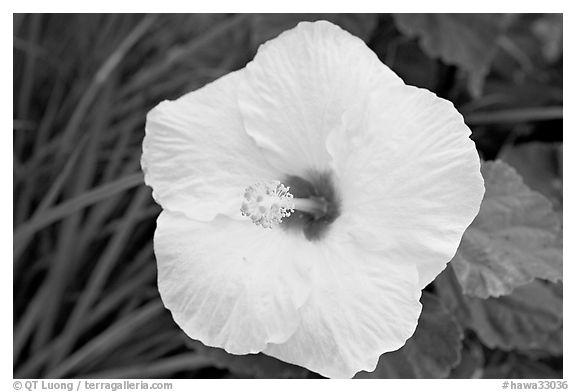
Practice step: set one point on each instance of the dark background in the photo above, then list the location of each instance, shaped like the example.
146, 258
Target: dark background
85, 297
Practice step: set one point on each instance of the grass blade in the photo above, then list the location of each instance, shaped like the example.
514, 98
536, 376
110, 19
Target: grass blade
24, 232
514, 116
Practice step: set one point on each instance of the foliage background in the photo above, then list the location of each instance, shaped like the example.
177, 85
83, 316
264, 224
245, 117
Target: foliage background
85, 297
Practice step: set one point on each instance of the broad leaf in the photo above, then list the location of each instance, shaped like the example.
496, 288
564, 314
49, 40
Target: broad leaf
528, 319
525, 320
472, 363
552, 343
521, 367
268, 26
540, 165
430, 353
469, 41
552, 346
514, 239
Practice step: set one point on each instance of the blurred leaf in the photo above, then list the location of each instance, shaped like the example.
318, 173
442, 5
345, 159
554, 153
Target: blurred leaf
468, 41
514, 116
430, 353
414, 67
554, 343
549, 30
520, 54
268, 26
525, 320
472, 363
522, 72
517, 366
540, 165
553, 346
254, 365
513, 240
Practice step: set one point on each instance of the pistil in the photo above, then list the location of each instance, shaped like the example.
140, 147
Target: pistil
316, 206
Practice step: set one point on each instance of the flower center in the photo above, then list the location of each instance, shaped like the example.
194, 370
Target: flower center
267, 203
319, 187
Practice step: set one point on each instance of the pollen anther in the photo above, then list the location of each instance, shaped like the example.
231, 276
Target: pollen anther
267, 203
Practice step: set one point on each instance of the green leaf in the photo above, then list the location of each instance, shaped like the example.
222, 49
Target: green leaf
268, 26
469, 41
515, 238
540, 165
251, 365
430, 353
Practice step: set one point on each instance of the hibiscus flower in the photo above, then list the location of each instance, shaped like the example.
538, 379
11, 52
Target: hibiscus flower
382, 179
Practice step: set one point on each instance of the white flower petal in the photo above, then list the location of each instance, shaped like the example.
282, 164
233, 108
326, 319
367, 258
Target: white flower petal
361, 306
409, 176
299, 85
231, 284
197, 157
